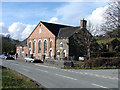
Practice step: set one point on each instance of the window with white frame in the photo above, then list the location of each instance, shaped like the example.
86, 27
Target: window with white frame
22, 49
51, 44
29, 44
39, 46
61, 45
45, 46
34, 46
58, 52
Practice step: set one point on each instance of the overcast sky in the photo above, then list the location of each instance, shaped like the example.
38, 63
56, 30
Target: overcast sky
20, 18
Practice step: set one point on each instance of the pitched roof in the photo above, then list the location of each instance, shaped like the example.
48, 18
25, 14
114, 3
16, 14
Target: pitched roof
23, 43
67, 32
54, 28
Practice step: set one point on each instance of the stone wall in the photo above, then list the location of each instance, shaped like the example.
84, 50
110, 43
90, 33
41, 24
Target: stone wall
58, 63
62, 52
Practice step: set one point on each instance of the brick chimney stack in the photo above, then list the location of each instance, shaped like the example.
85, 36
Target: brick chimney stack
83, 23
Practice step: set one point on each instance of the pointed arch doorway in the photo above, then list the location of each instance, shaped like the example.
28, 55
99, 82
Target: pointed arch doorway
50, 53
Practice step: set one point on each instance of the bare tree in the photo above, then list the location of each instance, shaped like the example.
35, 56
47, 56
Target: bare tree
112, 16
8, 36
93, 29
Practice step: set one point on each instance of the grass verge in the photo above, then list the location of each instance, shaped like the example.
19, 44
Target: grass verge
12, 79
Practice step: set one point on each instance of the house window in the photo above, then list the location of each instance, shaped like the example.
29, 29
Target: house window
29, 44
34, 46
50, 44
61, 45
39, 45
58, 52
45, 46
23, 49
39, 30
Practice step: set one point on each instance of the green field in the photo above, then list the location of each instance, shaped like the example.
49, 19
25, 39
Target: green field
11, 79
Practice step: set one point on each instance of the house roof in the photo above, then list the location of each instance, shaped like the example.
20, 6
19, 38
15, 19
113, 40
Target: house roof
23, 43
67, 32
54, 28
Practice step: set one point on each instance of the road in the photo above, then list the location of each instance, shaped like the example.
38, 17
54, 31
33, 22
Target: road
52, 77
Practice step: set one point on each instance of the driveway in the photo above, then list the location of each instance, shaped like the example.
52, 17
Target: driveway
52, 77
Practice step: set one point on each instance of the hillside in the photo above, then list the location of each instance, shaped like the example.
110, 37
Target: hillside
8, 45
108, 40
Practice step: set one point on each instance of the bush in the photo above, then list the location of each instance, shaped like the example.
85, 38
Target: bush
104, 62
108, 54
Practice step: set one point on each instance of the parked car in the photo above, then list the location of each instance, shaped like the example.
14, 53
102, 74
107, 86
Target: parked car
7, 57
32, 59
29, 59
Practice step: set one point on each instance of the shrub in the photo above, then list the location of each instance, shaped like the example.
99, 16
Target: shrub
108, 54
104, 62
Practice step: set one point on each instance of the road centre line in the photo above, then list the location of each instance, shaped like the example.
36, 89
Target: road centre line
108, 77
14, 64
114, 78
42, 70
66, 77
46, 66
99, 85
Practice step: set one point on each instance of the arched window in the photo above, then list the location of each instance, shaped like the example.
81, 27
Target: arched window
39, 46
50, 44
61, 45
34, 46
58, 52
40, 30
22, 49
29, 44
45, 46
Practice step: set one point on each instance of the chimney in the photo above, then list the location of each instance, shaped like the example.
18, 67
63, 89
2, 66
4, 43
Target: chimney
83, 23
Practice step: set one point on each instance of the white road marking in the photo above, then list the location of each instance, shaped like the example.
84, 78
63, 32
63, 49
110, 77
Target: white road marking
102, 76
107, 77
66, 77
42, 70
85, 73
14, 64
99, 85
46, 66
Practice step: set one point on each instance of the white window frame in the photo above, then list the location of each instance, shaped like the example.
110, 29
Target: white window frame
65, 52
58, 51
22, 49
44, 45
38, 46
50, 43
35, 46
30, 42
60, 44
18, 51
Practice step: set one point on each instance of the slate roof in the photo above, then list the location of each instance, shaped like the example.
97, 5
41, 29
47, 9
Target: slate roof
54, 28
67, 32
23, 43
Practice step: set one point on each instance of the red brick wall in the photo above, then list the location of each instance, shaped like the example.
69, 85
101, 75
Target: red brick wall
20, 53
44, 35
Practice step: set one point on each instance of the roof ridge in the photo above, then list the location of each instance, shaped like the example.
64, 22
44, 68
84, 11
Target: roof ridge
59, 33
55, 23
